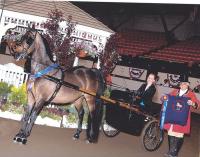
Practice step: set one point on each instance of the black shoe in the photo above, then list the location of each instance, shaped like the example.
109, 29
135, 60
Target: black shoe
176, 146
170, 143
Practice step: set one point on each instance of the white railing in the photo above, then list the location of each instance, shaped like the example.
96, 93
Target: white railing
12, 74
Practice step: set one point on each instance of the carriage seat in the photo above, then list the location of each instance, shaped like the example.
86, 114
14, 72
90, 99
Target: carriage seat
128, 96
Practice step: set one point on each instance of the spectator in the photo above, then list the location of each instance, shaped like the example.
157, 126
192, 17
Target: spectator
175, 131
145, 93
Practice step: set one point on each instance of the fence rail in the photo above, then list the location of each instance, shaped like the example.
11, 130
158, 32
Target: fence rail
12, 75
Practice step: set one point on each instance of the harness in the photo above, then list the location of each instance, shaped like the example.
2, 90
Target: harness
43, 73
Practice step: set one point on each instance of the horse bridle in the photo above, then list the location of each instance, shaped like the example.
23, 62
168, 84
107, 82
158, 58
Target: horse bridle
25, 50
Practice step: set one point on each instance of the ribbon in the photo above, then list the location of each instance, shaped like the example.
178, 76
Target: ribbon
45, 71
162, 120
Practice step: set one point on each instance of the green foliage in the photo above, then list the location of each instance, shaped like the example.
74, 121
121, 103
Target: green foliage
5, 107
71, 118
4, 88
18, 95
107, 92
12, 108
17, 100
46, 113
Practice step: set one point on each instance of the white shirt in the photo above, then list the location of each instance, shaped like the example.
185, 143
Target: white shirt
181, 92
148, 85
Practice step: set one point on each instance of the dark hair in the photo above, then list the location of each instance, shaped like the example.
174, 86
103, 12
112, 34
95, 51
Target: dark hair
166, 80
155, 76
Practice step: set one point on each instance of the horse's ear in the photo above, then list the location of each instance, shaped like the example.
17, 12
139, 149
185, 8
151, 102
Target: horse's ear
29, 27
33, 26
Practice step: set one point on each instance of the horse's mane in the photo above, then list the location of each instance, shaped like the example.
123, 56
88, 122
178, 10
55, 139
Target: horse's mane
27, 65
71, 69
48, 50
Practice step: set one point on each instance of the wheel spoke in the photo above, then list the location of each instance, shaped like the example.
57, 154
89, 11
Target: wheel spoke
152, 137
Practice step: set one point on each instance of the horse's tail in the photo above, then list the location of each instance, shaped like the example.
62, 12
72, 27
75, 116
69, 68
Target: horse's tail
98, 112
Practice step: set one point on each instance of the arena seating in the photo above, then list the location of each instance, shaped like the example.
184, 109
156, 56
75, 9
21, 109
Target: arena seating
137, 43
182, 51
153, 45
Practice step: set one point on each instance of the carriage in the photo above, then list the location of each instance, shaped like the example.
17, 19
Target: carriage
133, 121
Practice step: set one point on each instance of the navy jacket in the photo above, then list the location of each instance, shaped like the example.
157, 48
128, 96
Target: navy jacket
145, 96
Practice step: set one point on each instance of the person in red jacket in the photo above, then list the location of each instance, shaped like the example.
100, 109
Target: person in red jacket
176, 132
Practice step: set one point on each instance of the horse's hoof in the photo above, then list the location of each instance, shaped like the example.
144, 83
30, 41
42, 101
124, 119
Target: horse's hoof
16, 139
20, 140
88, 142
76, 137
24, 141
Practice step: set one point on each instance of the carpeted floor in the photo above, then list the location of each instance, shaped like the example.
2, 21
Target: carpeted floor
55, 142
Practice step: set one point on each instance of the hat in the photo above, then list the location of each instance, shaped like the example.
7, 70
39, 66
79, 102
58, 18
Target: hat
183, 78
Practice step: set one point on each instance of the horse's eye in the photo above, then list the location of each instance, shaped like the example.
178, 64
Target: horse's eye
29, 41
15, 46
19, 44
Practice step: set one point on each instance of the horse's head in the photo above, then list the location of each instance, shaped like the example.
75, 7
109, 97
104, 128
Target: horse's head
20, 45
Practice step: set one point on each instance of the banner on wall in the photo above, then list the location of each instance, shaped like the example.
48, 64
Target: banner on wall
197, 88
173, 79
135, 73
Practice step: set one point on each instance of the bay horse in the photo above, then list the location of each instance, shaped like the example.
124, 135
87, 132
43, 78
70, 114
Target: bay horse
41, 90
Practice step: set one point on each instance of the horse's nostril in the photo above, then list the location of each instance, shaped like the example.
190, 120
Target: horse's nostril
16, 54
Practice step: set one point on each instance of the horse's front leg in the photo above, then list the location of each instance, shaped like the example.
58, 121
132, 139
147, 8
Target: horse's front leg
26, 128
24, 122
26, 117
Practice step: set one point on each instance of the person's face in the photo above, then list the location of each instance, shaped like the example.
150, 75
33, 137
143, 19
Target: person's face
150, 79
184, 85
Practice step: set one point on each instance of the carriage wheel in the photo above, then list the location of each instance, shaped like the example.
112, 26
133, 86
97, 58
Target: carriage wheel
108, 130
152, 136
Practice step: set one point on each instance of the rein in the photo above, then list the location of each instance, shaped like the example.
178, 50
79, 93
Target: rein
92, 93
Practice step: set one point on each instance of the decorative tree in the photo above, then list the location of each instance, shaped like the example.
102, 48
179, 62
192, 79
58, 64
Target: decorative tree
109, 57
60, 42
65, 49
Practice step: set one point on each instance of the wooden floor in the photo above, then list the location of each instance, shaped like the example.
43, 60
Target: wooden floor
55, 142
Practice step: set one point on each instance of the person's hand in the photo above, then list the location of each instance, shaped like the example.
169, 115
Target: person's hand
191, 103
137, 97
